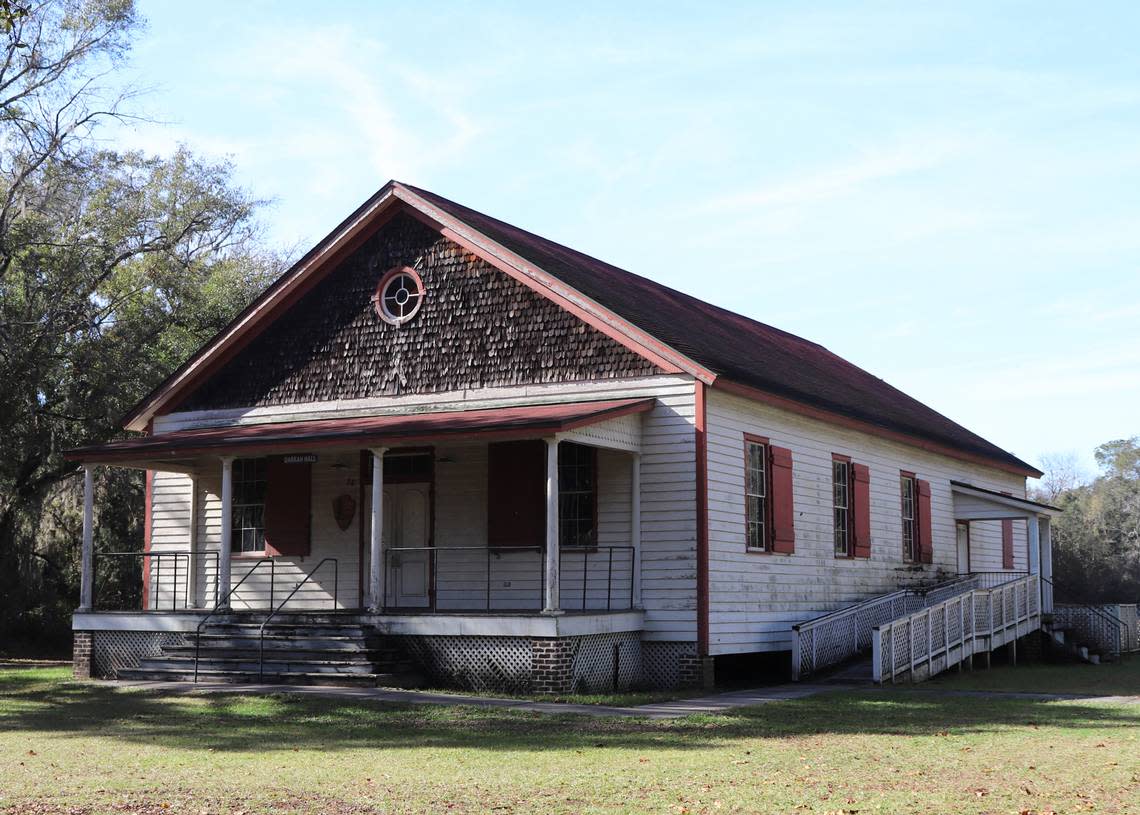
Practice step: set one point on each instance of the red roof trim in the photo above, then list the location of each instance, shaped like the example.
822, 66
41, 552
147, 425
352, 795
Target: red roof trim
832, 417
360, 432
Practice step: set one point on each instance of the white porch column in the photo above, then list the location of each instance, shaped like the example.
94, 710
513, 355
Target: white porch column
551, 603
1046, 565
1033, 528
87, 574
192, 582
376, 535
1033, 533
635, 524
227, 543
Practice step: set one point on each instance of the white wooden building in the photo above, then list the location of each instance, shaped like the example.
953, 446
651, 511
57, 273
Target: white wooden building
522, 467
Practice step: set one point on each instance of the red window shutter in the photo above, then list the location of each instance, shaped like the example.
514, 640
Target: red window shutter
516, 493
288, 502
925, 528
783, 507
861, 505
1007, 544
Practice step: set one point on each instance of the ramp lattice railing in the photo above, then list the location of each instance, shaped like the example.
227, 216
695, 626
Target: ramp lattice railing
842, 634
940, 636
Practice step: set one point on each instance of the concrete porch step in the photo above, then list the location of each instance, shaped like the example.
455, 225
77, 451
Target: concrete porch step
251, 640
275, 630
248, 664
285, 649
291, 618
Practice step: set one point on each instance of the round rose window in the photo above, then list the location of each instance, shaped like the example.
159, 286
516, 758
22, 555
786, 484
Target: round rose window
399, 296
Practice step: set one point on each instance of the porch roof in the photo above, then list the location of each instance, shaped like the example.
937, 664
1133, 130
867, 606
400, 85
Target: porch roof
525, 421
979, 504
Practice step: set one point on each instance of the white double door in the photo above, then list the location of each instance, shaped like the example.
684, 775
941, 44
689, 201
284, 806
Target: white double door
407, 526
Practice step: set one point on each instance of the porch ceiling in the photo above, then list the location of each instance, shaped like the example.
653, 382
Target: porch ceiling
527, 421
978, 504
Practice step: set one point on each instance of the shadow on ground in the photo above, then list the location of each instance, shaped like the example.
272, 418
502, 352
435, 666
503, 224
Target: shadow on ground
41, 702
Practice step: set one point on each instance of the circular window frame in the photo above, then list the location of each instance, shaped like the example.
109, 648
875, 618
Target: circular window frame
381, 306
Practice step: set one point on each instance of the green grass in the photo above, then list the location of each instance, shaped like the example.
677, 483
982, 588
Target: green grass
1115, 678
88, 748
630, 698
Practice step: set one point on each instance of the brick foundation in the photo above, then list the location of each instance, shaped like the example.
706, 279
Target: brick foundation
692, 670
81, 654
552, 665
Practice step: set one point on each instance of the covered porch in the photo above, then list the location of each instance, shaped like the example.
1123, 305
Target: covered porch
493, 513
974, 504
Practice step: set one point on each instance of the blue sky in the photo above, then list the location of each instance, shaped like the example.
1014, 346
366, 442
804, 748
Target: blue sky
946, 194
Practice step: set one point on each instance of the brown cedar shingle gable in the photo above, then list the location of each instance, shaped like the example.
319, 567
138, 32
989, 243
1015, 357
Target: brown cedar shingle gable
734, 347
724, 345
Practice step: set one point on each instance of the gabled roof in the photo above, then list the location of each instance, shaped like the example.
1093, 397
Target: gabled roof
675, 330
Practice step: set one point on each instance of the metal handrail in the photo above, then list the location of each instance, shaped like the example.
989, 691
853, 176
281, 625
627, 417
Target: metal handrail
589, 554
1107, 618
217, 608
157, 581
273, 613
586, 551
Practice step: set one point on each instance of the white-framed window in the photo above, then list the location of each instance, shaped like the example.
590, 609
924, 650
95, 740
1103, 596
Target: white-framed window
577, 495
248, 507
841, 505
756, 493
909, 527
399, 295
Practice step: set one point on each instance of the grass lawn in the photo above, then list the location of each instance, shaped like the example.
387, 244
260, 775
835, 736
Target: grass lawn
1115, 678
84, 748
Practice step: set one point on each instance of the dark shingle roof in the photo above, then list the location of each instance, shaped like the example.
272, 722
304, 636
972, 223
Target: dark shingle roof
732, 346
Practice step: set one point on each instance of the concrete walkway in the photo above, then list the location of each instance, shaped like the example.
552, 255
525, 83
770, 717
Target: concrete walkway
712, 704
716, 703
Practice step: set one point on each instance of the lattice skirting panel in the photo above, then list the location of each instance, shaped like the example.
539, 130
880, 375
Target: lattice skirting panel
475, 663
666, 665
605, 662
112, 651
597, 662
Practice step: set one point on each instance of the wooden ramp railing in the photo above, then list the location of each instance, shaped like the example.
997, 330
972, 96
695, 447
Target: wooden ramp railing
845, 633
944, 634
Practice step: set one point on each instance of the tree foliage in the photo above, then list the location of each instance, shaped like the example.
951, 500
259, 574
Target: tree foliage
1096, 541
114, 266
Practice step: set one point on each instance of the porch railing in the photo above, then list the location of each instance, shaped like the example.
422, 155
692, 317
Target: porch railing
989, 580
842, 634
1094, 625
509, 578
944, 634
163, 581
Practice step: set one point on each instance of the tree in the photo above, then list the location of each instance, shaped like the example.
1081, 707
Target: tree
113, 268
1062, 473
1096, 554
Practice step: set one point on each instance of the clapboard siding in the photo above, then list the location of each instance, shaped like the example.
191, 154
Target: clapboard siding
169, 532
755, 598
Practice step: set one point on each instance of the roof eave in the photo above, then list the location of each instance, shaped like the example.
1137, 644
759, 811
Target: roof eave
1015, 465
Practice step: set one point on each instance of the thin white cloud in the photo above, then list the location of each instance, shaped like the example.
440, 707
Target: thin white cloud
842, 179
